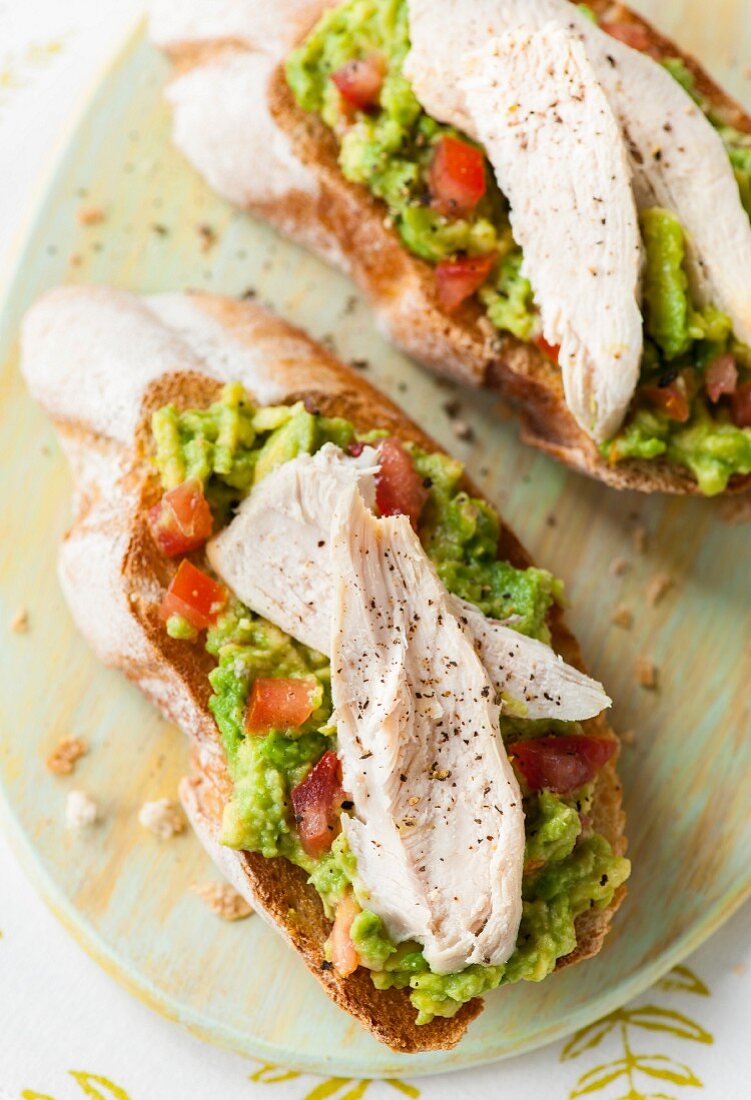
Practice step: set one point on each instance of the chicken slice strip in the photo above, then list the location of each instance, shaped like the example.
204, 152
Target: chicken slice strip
678, 158
557, 152
437, 828
275, 555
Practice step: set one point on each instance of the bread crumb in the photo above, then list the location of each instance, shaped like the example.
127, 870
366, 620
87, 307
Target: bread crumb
75, 259
736, 509
628, 737
90, 215
162, 818
646, 673
62, 760
619, 567
208, 237
80, 810
622, 617
639, 538
740, 969
223, 900
657, 588
19, 624
462, 430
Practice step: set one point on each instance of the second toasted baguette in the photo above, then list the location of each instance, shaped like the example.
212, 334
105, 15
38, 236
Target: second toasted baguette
232, 91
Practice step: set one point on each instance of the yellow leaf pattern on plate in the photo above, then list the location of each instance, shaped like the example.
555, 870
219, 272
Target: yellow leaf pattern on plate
632, 1065
270, 1074
16, 68
332, 1088
683, 980
92, 1086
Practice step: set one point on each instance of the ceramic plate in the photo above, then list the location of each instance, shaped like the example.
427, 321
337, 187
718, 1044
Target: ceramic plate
125, 895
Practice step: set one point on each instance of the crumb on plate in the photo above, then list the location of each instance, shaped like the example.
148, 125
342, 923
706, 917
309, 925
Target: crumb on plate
162, 818
90, 215
80, 810
660, 584
623, 617
646, 673
19, 624
639, 538
62, 759
223, 900
619, 566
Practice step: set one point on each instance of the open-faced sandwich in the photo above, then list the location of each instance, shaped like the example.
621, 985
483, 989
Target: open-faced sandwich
396, 756
542, 197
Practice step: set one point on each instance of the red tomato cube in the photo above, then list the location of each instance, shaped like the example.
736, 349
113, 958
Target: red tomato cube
457, 177
315, 803
280, 703
459, 279
399, 487
194, 595
182, 520
561, 764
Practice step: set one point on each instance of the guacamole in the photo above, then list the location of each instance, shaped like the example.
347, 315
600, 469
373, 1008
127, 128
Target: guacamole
568, 874
390, 150
680, 343
230, 446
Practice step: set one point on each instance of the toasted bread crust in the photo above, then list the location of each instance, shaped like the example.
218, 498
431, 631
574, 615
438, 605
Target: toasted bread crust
115, 485
345, 224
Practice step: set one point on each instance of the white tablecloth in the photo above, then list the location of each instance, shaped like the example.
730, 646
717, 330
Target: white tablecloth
68, 1032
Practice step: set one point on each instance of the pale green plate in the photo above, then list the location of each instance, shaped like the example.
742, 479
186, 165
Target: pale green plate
125, 895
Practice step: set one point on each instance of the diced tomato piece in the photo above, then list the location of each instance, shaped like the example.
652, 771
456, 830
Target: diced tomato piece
279, 703
182, 520
360, 81
631, 34
315, 802
355, 449
550, 351
194, 595
671, 400
721, 377
459, 279
561, 764
343, 953
457, 177
740, 406
399, 487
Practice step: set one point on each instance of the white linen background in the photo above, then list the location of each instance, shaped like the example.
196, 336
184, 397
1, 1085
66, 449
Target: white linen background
67, 1030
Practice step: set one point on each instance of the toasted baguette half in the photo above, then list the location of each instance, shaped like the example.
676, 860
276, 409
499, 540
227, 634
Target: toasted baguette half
237, 121
100, 362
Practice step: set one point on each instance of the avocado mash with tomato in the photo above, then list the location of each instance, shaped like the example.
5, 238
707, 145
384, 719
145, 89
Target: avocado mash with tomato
391, 146
228, 448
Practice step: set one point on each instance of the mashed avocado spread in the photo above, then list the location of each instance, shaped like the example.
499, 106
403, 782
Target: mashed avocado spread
390, 149
569, 868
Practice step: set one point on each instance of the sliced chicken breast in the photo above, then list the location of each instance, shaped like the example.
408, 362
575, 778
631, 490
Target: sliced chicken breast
276, 556
678, 158
557, 152
437, 827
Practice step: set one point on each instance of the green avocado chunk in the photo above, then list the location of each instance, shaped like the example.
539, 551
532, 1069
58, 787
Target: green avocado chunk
296, 436
666, 303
